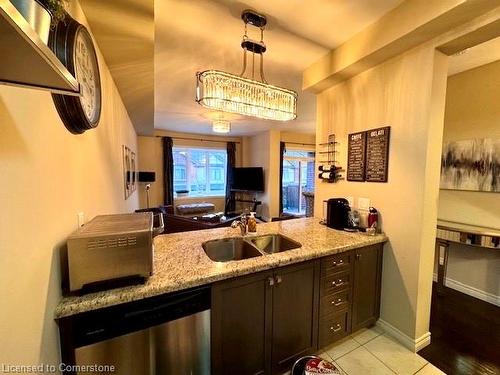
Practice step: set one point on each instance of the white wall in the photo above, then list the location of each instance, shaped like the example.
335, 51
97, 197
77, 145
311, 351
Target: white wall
48, 175
406, 93
473, 111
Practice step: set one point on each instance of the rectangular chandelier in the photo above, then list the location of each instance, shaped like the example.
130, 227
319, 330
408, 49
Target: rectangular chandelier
227, 92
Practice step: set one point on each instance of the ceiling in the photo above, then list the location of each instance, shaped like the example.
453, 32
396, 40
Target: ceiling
124, 30
474, 57
195, 35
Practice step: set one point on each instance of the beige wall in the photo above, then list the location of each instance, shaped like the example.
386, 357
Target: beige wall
263, 150
151, 159
306, 139
398, 93
257, 153
473, 111
48, 176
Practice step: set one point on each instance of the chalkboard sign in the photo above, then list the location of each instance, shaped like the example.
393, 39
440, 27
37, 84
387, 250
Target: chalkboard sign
377, 154
356, 156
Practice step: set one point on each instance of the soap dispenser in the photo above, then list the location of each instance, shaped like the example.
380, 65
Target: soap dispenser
252, 223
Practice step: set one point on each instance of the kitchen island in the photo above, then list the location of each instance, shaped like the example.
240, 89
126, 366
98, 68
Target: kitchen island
262, 313
180, 262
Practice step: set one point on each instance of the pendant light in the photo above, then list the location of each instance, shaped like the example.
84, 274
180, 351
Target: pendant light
221, 126
228, 92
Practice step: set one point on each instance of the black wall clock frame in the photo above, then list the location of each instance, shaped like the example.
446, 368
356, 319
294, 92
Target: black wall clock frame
62, 41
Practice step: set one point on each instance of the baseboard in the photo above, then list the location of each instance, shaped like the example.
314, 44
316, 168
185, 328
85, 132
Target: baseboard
471, 291
413, 344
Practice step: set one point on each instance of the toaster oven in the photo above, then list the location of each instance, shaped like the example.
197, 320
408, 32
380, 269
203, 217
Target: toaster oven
111, 250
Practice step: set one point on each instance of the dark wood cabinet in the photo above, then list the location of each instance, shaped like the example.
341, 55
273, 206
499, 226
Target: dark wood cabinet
366, 286
240, 325
262, 323
295, 314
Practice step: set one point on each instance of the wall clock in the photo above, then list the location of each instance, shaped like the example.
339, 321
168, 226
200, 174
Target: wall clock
73, 45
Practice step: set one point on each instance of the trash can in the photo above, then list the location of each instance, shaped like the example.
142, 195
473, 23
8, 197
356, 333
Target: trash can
312, 364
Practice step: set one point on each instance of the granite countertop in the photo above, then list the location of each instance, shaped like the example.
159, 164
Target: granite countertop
180, 262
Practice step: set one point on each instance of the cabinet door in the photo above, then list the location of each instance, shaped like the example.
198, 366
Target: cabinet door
295, 314
366, 288
241, 330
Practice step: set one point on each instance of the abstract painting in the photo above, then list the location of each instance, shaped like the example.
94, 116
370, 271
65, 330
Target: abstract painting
471, 165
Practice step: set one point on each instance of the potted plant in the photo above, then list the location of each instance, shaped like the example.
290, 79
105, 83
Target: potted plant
56, 8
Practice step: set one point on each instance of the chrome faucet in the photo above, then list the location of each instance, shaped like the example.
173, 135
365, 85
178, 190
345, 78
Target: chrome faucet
242, 223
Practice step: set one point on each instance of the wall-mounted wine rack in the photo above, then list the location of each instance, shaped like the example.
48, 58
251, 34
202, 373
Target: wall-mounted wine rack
329, 171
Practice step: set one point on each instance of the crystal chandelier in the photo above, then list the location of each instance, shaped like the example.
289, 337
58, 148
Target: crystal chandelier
246, 96
221, 126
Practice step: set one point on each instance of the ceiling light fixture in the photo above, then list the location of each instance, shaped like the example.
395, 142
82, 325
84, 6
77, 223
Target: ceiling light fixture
221, 126
246, 96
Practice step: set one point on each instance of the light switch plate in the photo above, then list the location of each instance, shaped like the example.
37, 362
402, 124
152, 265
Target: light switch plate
364, 203
81, 219
350, 200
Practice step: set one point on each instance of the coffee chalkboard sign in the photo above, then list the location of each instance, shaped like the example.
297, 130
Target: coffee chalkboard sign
377, 154
356, 150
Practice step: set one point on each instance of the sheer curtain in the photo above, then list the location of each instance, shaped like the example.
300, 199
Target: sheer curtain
168, 171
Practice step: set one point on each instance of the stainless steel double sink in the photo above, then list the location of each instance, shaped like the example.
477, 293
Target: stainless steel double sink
238, 248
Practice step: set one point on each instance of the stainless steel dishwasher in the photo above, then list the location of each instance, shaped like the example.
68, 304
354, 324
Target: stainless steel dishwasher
157, 336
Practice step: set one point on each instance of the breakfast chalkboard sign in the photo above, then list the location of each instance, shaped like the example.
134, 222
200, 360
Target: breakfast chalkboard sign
377, 154
356, 146
368, 155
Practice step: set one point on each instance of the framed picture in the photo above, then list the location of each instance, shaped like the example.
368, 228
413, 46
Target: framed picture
129, 171
472, 164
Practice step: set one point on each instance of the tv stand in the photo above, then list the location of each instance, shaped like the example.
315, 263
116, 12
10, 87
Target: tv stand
255, 202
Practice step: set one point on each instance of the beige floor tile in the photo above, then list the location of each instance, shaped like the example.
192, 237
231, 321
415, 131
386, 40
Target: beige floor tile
324, 355
361, 362
366, 334
430, 369
341, 347
395, 356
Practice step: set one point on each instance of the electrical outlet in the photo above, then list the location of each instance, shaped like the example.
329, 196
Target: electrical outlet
81, 219
364, 203
350, 200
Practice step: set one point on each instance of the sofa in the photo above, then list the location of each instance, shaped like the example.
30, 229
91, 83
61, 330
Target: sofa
176, 223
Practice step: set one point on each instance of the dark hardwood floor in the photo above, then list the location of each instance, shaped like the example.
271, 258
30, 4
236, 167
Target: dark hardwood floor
465, 335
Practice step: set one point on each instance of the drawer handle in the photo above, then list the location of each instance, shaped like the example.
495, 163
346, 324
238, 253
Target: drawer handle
337, 328
339, 282
270, 281
278, 279
339, 263
338, 303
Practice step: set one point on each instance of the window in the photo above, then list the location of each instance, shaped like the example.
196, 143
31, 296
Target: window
298, 176
202, 172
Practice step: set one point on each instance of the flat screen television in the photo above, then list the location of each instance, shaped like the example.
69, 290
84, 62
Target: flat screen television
248, 179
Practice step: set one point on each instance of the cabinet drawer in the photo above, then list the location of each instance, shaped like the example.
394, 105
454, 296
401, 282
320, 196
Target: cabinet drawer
336, 263
333, 328
335, 303
335, 283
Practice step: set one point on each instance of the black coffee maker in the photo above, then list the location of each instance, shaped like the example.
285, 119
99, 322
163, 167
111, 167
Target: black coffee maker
338, 214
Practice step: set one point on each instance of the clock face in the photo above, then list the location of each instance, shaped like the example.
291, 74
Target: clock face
87, 74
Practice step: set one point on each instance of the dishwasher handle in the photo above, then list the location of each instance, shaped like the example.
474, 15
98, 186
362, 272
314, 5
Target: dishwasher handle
103, 324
